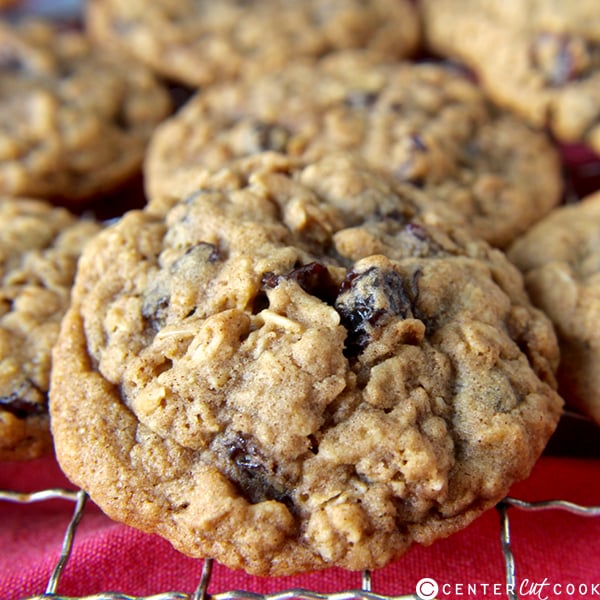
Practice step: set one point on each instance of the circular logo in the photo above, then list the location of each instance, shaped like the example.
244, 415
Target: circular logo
427, 588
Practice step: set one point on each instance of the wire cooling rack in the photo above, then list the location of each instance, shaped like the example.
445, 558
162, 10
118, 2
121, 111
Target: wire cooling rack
79, 498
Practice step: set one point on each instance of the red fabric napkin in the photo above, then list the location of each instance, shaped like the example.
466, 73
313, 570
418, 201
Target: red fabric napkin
557, 553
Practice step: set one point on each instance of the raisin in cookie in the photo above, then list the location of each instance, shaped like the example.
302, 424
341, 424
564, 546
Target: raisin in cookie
197, 42
74, 121
560, 259
292, 369
39, 248
541, 58
424, 123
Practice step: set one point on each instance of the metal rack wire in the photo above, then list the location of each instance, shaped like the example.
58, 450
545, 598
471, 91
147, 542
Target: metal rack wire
79, 498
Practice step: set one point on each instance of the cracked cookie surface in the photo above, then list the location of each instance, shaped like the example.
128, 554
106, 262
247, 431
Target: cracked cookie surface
198, 42
294, 368
560, 260
39, 248
426, 124
540, 58
74, 120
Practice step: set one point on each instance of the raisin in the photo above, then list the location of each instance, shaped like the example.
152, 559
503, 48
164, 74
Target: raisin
244, 453
271, 280
369, 300
179, 94
313, 278
16, 403
254, 473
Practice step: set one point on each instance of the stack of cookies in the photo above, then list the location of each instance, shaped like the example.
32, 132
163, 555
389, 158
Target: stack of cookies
331, 329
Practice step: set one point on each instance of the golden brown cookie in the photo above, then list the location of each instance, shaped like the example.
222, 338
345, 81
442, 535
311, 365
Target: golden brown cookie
197, 42
74, 120
426, 124
39, 248
540, 58
560, 258
293, 369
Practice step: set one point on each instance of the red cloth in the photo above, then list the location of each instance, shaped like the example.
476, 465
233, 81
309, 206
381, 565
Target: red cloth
550, 548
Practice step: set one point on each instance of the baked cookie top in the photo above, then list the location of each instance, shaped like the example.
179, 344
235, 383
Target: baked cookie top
540, 58
39, 247
426, 124
74, 120
197, 42
267, 376
560, 259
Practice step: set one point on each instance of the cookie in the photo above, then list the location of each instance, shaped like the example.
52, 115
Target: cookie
560, 259
39, 248
294, 369
200, 42
540, 58
74, 121
427, 124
